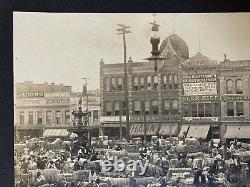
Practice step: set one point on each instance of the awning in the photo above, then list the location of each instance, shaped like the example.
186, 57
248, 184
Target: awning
137, 129
169, 129
56, 133
116, 125
198, 131
184, 128
236, 131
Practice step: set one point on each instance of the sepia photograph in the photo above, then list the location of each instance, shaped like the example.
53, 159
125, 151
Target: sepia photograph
131, 99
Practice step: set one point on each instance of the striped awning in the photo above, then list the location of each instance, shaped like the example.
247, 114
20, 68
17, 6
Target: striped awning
169, 129
137, 129
56, 133
184, 129
236, 131
198, 131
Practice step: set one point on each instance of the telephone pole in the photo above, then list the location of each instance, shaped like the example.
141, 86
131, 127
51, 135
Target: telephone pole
123, 30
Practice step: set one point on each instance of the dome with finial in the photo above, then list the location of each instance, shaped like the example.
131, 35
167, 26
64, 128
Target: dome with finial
174, 45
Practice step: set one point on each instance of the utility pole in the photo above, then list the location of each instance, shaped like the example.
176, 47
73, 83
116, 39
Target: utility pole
123, 30
85, 93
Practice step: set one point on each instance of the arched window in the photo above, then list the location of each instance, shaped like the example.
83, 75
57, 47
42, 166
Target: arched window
155, 107
106, 84
113, 84
108, 108
119, 82
239, 87
142, 84
135, 83
166, 107
229, 88
116, 108
175, 81
148, 82
175, 106
137, 107
156, 82
170, 81
164, 82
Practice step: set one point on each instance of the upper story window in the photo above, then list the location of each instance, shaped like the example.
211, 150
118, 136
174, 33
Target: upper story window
194, 111
58, 117
142, 83
137, 107
208, 110
170, 81
112, 84
229, 87
175, 81
147, 108
148, 82
30, 118
155, 107
49, 117
164, 82
175, 107
239, 108
201, 110
186, 110
135, 83
239, 87
108, 109
230, 109
67, 116
22, 118
166, 107
156, 82
119, 82
117, 108
39, 117
106, 84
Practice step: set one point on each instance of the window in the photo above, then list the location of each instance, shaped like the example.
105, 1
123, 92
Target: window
117, 108
67, 116
137, 107
156, 83
186, 110
142, 86
166, 107
119, 80
58, 117
147, 108
108, 108
49, 117
123, 104
106, 84
239, 109
201, 111
95, 116
164, 82
194, 109
216, 110
170, 81
113, 84
230, 109
239, 87
135, 83
175, 107
229, 88
208, 110
148, 82
22, 118
155, 107
30, 118
39, 117
175, 81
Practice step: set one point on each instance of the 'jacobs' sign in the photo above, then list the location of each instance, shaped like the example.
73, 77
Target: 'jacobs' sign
29, 94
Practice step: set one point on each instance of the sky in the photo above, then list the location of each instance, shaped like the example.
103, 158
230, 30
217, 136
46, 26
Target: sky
65, 47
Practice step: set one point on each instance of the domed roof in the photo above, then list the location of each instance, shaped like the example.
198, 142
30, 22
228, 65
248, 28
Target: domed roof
174, 44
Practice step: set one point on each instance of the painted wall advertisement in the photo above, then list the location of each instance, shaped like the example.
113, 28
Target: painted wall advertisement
200, 84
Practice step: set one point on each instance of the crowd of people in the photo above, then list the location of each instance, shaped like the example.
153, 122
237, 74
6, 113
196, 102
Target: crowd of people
172, 162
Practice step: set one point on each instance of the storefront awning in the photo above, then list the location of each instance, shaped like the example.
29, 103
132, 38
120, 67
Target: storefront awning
137, 129
236, 131
56, 133
198, 131
169, 129
184, 128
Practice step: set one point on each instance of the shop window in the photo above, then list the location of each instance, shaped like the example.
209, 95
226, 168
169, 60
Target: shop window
112, 84
49, 117
156, 82
117, 108
194, 109
142, 84
135, 83
67, 116
186, 110
239, 87
166, 107
216, 110
39, 117
106, 84
175, 81
164, 82
155, 107
147, 108
239, 108
119, 81
175, 107
201, 112
21, 118
30, 118
137, 107
208, 110
170, 81
58, 117
230, 109
148, 82
108, 109
229, 86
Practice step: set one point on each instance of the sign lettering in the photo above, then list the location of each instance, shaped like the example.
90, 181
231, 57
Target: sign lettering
29, 94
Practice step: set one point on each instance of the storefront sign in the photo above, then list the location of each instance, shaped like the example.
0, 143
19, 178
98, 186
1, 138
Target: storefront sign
29, 94
201, 118
200, 84
57, 94
235, 97
29, 102
199, 98
154, 118
57, 101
